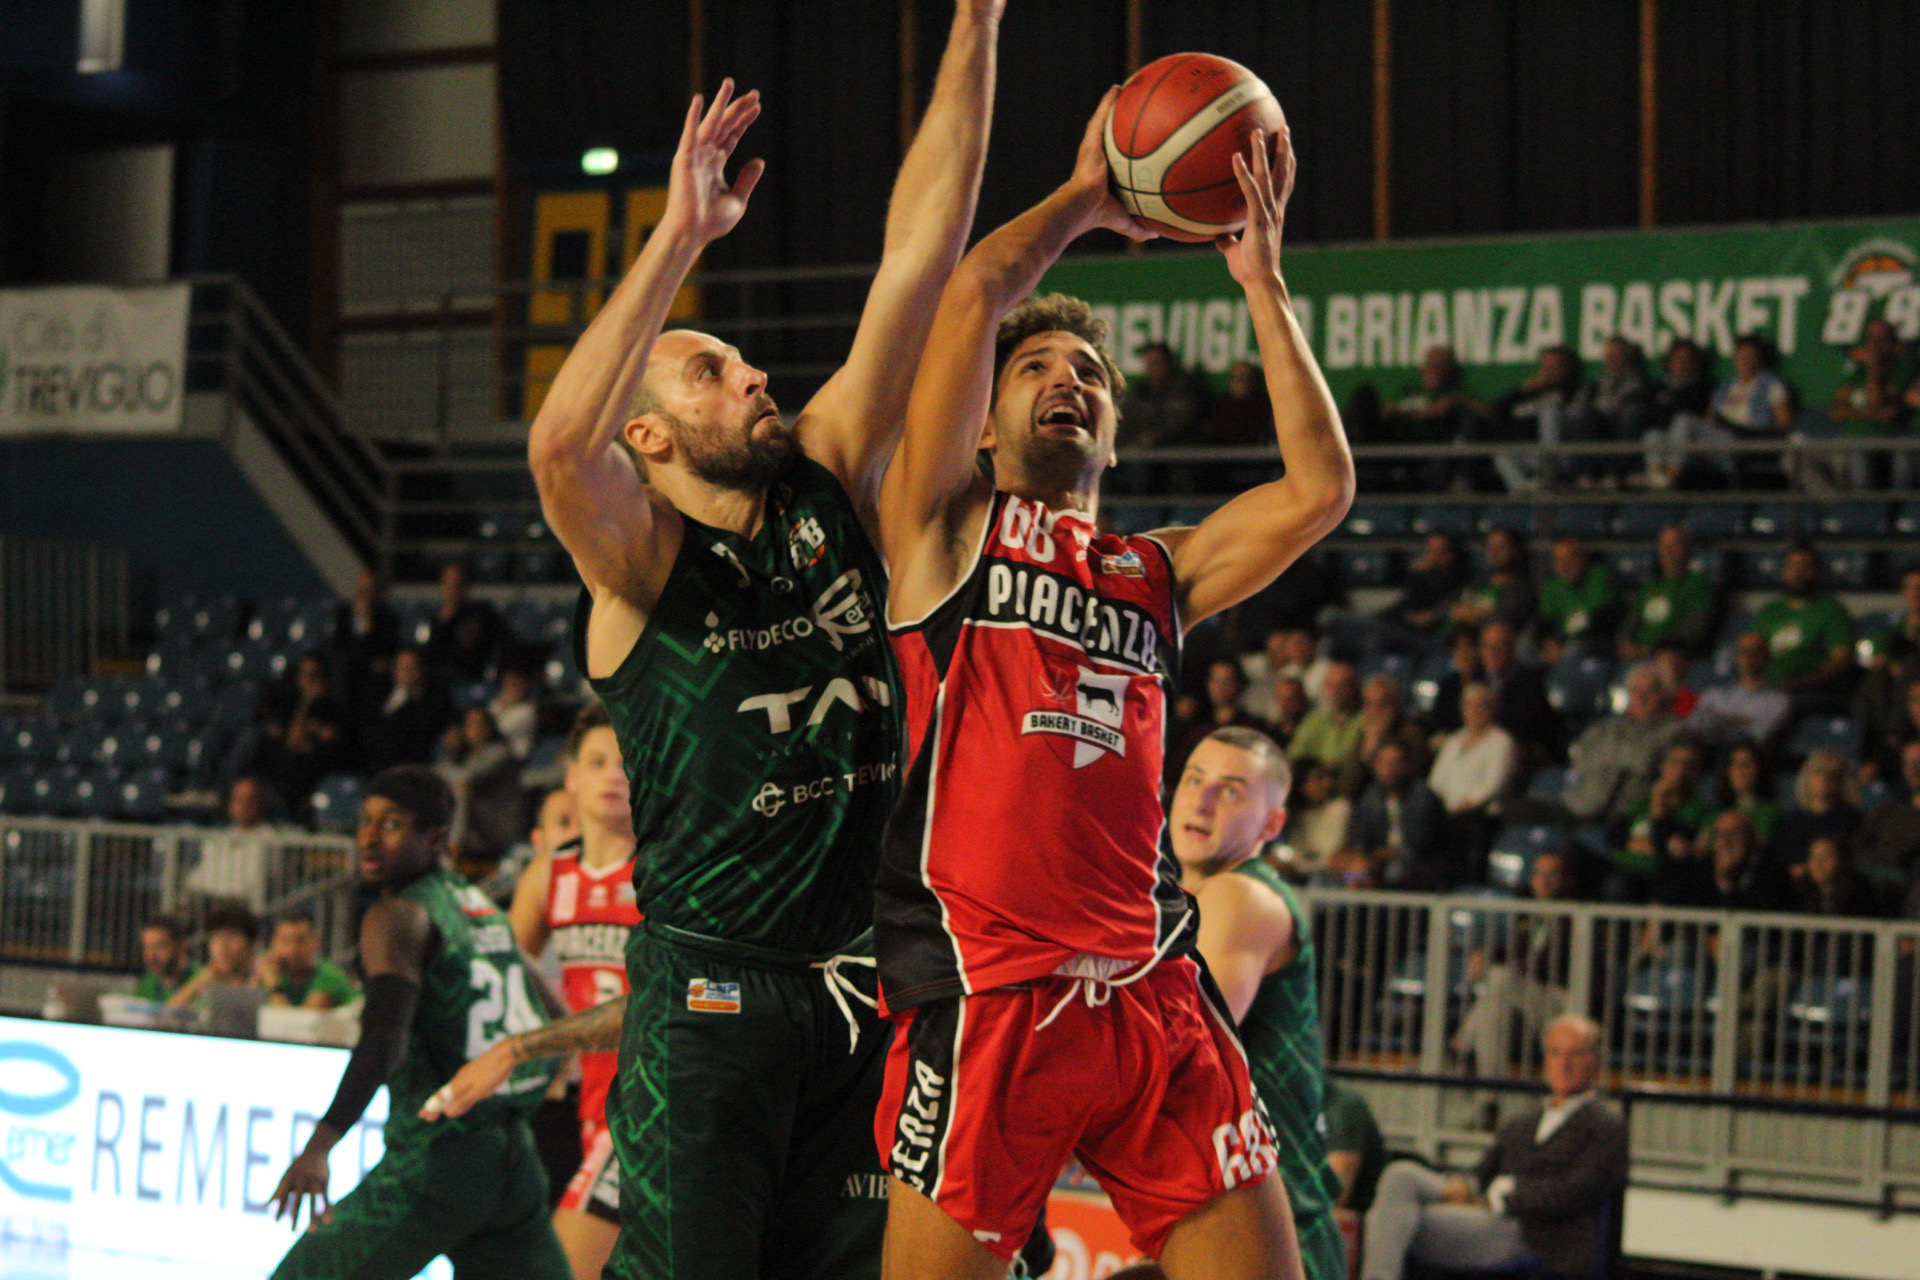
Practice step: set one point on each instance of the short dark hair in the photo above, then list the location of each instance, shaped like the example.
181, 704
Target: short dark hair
175, 927
592, 716
417, 789
234, 916
293, 917
1048, 313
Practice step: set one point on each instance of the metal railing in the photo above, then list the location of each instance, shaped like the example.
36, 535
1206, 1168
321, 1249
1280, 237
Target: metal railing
76, 893
63, 608
1765, 1051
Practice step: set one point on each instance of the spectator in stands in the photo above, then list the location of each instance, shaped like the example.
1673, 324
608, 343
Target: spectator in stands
303, 734
1414, 621
1523, 978
1829, 884
1622, 402
1550, 407
1829, 805
293, 972
1892, 664
1332, 730
1383, 718
1520, 696
1355, 1149
514, 711
232, 934
163, 956
1437, 410
1745, 786
1679, 604
1870, 404
1398, 836
1753, 405
1673, 663
1506, 593
1750, 709
235, 862
1465, 667
1317, 821
1887, 845
409, 723
1611, 765
1290, 708
1543, 1189
1290, 650
1305, 589
1733, 875
1895, 728
1241, 417
1579, 604
468, 634
1664, 830
1226, 682
366, 635
1472, 773
489, 806
1809, 635
1680, 415
1163, 404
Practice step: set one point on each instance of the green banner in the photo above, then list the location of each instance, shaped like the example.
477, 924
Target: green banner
1371, 310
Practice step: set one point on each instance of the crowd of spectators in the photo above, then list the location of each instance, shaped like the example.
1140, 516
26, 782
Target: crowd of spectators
1683, 783
1670, 422
289, 971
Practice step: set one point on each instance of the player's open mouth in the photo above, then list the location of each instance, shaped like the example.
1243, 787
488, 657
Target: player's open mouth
1063, 415
1195, 829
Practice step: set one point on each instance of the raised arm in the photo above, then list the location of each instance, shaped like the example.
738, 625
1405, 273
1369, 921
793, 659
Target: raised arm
1246, 544
594, 498
393, 942
853, 424
934, 495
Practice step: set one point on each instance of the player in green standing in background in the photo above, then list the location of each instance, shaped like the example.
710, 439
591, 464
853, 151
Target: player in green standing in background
1230, 801
732, 627
444, 981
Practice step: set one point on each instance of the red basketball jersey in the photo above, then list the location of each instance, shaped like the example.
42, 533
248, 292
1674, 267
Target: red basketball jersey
1029, 826
589, 915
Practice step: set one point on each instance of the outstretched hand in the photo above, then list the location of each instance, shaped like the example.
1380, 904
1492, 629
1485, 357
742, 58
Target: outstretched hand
699, 196
304, 1183
1254, 254
1092, 177
472, 1084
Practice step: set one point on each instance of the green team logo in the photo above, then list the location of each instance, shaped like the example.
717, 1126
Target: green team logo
1877, 277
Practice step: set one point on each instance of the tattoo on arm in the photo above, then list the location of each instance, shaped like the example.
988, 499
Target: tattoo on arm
595, 1028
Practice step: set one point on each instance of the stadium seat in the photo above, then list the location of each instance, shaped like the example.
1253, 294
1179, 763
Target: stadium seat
95, 794
1642, 519
1454, 518
79, 744
1634, 564
1580, 687
215, 620
1367, 566
1511, 516
336, 802
232, 708
16, 790
1376, 520
1716, 520
1510, 861
1549, 782
1581, 519
32, 741
1424, 689
53, 789
1670, 1008
1852, 519
1825, 733
121, 746
1849, 569
1906, 518
1774, 520
1762, 570
416, 620
141, 796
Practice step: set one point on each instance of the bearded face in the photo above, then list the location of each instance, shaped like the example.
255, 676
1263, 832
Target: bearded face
1053, 417
743, 455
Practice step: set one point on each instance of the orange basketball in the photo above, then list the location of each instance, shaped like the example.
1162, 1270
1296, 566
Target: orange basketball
1171, 138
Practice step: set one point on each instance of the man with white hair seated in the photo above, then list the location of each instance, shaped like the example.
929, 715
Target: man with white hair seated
1612, 763
1541, 1192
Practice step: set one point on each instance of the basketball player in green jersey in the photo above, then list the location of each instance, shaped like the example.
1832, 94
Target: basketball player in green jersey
732, 627
1230, 801
444, 981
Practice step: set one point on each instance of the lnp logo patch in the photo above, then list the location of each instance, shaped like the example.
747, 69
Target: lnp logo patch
1126, 564
713, 997
1099, 706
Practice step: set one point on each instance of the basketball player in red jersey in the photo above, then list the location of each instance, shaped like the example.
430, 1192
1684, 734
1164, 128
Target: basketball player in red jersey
578, 899
1035, 949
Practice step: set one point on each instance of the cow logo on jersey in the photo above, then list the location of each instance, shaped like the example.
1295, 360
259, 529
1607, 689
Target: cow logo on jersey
842, 609
713, 997
1092, 728
806, 543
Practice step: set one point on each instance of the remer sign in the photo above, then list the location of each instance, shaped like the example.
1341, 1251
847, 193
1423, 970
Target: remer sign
118, 1145
1371, 311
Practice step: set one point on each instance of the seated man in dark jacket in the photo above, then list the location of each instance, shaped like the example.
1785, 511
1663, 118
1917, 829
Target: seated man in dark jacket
1542, 1190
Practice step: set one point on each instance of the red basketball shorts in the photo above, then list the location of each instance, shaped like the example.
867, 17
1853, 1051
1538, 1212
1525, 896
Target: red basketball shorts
1145, 1082
595, 1187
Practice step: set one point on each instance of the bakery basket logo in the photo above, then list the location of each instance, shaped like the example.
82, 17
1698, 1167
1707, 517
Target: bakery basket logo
1092, 728
1876, 278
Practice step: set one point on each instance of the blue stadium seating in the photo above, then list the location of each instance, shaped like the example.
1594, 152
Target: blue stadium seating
1512, 516
1825, 733
1367, 566
141, 796
1510, 861
1852, 519
336, 802
1848, 568
1581, 519
1579, 687
1376, 520
1455, 518
1643, 519
1716, 520
1634, 564
1774, 520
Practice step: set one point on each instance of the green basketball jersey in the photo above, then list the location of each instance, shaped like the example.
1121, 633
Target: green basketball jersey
473, 993
1281, 1033
759, 721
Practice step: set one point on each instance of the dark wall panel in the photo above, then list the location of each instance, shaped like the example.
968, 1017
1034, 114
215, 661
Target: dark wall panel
590, 73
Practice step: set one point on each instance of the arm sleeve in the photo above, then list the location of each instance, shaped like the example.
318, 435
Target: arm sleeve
383, 1042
